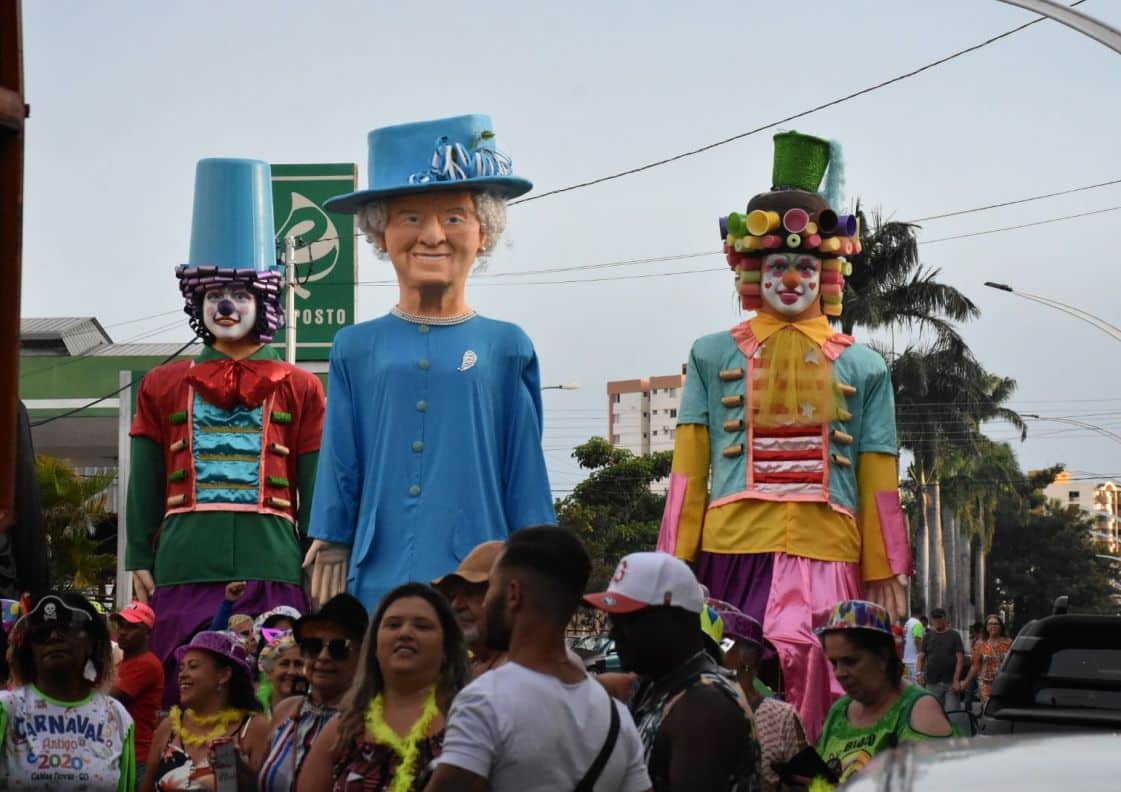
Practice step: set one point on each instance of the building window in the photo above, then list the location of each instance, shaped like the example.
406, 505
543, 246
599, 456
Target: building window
1073, 495
673, 391
654, 433
616, 439
617, 398
645, 435
673, 413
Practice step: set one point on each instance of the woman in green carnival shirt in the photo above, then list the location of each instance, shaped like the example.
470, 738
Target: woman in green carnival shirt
879, 710
56, 730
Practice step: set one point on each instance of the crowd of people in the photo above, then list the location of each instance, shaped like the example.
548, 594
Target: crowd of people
467, 682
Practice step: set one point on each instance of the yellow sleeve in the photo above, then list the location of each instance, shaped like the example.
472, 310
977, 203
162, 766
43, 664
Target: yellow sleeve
875, 473
688, 499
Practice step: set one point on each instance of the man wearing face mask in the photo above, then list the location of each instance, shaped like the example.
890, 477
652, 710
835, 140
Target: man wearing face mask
225, 446
795, 425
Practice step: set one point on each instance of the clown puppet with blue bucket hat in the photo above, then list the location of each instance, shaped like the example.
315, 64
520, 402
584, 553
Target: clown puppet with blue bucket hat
225, 446
432, 441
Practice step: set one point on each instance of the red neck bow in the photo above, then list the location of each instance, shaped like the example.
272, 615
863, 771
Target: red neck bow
226, 383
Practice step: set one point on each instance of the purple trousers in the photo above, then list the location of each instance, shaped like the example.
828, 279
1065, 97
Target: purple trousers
791, 596
187, 608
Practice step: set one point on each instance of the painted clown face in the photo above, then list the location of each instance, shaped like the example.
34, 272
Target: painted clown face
792, 285
229, 312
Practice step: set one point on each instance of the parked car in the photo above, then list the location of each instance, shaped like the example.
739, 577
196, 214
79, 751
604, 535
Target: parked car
597, 652
1063, 673
1083, 762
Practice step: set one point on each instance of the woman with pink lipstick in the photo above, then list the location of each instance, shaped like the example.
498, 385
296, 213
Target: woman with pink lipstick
391, 726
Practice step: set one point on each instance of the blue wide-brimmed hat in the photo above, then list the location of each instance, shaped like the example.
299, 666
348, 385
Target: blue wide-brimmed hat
456, 153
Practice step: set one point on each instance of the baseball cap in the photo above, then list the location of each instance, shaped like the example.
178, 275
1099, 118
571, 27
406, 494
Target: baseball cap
938, 613
645, 580
475, 568
137, 612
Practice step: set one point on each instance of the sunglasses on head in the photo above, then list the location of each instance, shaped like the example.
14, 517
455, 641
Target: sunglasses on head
337, 648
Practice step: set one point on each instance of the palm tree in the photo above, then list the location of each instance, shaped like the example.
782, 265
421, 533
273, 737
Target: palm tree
889, 286
72, 505
942, 396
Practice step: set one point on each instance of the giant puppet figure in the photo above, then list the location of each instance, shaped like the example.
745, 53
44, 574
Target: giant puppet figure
432, 442
783, 492
225, 446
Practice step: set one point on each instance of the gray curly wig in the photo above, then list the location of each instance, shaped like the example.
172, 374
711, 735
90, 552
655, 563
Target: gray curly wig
489, 208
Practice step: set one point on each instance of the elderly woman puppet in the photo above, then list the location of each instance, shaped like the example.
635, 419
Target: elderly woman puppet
224, 447
795, 426
432, 442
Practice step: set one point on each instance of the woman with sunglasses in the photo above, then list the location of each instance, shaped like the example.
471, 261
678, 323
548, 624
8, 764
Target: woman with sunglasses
219, 709
57, 730
280, 665
413, 663
329, 642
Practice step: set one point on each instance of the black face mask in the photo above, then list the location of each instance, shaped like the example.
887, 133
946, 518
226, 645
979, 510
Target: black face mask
337, 648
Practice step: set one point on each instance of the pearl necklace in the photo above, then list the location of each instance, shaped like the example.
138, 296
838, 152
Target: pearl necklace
433, 320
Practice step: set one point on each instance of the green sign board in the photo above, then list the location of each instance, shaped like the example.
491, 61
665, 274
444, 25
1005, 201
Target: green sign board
326, 260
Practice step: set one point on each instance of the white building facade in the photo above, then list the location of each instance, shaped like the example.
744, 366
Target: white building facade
1099, 499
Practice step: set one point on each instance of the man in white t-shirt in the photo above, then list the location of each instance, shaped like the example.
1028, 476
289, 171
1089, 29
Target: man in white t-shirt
912, 641
539, 722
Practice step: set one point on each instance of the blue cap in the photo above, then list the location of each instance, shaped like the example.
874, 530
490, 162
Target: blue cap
456, 153
233, 225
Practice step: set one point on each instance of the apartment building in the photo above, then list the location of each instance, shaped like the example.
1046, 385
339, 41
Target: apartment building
1099, 499
642, 413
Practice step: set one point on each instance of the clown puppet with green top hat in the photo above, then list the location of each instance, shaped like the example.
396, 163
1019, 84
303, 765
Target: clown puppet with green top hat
784, 492
224, 447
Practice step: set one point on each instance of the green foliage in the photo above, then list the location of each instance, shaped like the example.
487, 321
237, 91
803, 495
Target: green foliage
72, 505
613, 511
1041, 553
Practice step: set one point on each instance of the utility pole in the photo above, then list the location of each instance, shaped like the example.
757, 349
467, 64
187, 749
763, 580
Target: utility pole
13, 112
290, 299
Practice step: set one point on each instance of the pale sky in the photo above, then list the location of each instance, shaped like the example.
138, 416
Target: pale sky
126, 97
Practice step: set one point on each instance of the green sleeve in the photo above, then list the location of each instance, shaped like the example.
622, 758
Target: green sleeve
306, 466
147, 489
128, 762
3, 726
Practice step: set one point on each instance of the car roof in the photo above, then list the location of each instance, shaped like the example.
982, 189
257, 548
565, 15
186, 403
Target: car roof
1087, 762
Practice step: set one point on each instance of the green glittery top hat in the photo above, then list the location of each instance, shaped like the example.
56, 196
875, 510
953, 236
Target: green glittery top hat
800, 162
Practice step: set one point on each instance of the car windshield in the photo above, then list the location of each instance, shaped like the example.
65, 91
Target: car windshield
1084, 678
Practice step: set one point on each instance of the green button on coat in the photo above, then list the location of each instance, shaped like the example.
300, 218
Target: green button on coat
423, 329
414, 490
423, 364
418, 446
421, 406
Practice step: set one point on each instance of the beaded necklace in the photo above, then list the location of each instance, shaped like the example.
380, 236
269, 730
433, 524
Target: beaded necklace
221, 722
407, 748
432, 320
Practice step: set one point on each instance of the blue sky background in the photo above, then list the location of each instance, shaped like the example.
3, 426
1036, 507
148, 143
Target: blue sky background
126, 97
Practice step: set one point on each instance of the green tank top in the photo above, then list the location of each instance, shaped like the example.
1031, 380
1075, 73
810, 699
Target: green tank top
847, 748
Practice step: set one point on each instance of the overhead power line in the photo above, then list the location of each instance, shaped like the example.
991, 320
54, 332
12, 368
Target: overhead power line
789, 118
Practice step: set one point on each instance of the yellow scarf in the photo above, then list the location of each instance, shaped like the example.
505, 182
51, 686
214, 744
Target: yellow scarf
792, 379
407, 748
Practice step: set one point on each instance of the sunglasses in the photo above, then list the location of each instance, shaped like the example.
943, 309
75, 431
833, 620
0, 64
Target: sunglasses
337, 648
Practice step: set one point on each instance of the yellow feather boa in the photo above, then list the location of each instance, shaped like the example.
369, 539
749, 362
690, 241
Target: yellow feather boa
407, 748
221, 721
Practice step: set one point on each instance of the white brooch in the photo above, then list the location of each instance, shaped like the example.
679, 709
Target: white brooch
469, 360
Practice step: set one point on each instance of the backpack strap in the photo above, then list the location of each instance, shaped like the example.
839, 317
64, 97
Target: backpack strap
588, 782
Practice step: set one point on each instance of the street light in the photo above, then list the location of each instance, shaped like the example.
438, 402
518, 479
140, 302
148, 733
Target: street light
566, 386
1085, 24
1074, 422
1113, 331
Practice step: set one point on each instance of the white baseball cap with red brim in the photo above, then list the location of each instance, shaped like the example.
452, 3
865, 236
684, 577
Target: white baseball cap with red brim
648, 580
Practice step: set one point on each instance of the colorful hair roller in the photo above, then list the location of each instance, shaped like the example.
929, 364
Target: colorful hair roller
753, 303
793, 241
846, 225
750, 290
723, 227
750, 276
857, 247
832, 265
795, 220
736, 260
847, 268
830, 245
834, 299
846, 246
760, 222
747, 244
831, 309
827, 221
812, 241
832, 290
831, 277
811, 228
771, 241
736, 224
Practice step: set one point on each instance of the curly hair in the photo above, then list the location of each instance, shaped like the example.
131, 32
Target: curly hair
373, 217
369, 682
22, 657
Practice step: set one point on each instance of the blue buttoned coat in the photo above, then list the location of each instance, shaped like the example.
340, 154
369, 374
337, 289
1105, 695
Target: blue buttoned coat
431, 445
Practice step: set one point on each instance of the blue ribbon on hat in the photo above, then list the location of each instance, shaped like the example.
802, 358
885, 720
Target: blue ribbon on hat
453, 162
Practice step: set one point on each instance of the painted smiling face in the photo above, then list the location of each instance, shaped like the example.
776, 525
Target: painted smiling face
792, 285
229, 312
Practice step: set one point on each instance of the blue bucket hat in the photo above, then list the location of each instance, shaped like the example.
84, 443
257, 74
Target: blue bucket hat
456, 153
233, 240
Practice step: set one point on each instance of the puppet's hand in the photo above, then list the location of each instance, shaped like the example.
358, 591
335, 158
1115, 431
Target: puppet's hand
326, 565
142, 584
891, 593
